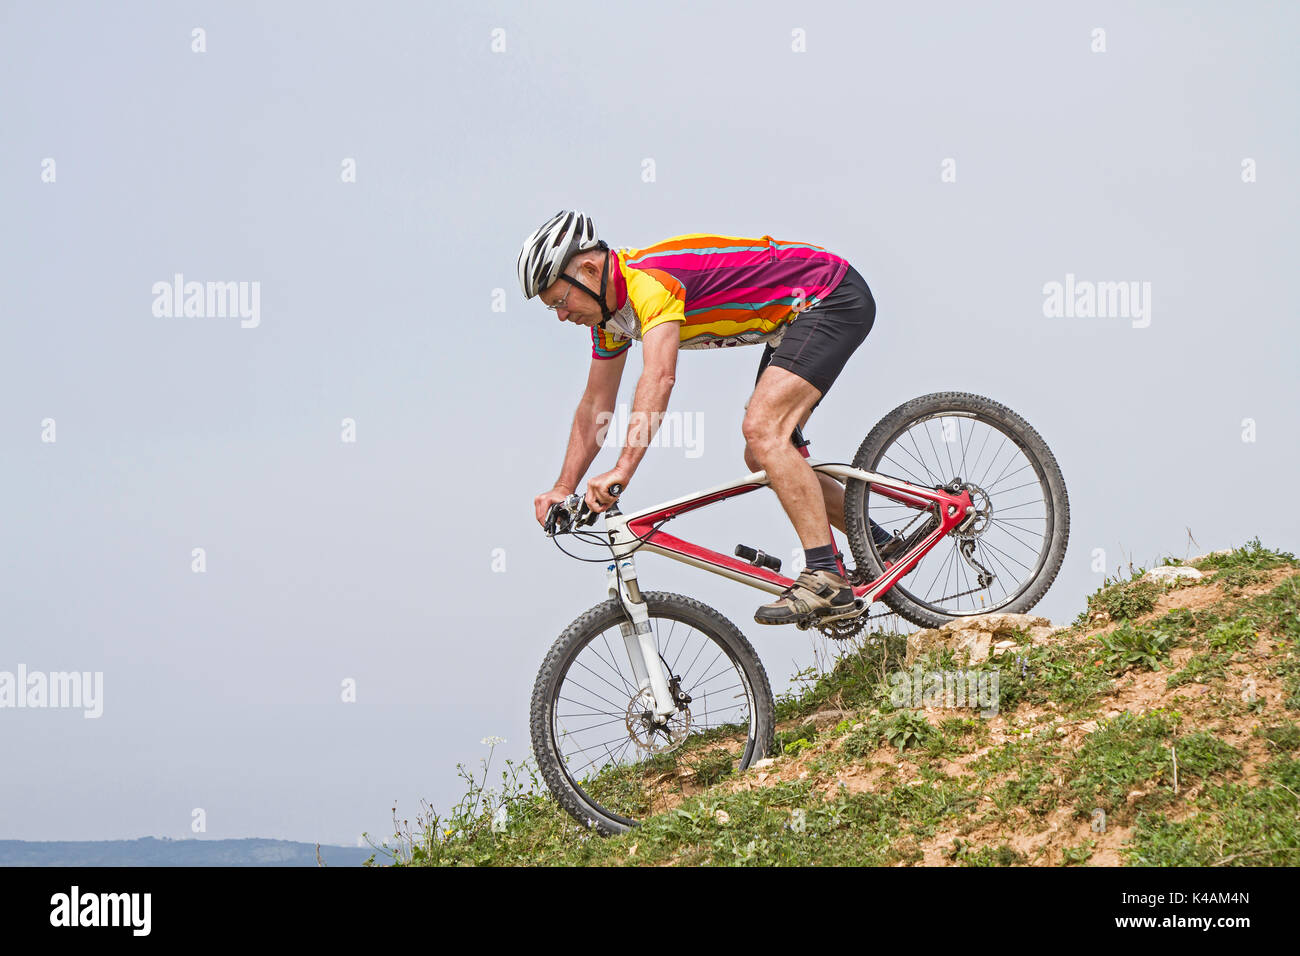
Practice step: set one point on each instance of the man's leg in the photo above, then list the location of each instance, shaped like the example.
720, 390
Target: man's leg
832, 494
832, 490
792, 379
781, 401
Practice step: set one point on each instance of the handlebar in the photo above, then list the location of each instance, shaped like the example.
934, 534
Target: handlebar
572, 513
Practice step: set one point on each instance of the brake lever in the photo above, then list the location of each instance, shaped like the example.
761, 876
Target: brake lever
586, 517
572, 513
560, 518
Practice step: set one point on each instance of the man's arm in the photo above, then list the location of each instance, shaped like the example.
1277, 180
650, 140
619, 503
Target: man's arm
652, 392
588, 428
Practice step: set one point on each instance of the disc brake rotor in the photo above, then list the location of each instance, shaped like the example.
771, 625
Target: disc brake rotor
979, 519
983, 513
651, 738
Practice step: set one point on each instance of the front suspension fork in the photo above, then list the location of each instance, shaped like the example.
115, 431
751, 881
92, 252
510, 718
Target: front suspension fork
639, 639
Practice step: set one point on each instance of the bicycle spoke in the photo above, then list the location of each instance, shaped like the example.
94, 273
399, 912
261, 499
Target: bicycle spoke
929, 474
1004, 554
984, 477
911, 475
627, 686
616, 690
637, 769
1010, 536
1028, 484
947, 448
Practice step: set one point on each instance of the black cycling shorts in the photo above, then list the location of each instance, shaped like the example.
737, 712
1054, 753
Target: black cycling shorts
821, 338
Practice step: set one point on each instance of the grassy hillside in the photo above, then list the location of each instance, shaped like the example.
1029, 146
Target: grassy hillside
1160, 728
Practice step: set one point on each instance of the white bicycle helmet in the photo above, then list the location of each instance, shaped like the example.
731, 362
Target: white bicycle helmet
546, 252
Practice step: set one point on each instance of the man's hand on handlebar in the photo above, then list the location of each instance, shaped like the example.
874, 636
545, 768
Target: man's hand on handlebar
603, 490
572, 512
543, 502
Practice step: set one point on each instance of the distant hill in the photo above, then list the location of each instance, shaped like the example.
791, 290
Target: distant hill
149, 851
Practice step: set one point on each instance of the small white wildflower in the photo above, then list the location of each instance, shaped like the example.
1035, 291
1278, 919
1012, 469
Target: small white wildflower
492, 741
499, 819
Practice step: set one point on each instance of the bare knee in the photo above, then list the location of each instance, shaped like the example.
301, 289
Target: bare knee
761, 439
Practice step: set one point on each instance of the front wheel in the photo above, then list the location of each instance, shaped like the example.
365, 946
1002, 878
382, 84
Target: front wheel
600, 752
1009, 556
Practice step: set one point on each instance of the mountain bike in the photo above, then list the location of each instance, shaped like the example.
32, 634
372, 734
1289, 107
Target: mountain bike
954, 506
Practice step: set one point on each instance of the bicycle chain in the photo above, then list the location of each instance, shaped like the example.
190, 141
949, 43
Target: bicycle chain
850, 627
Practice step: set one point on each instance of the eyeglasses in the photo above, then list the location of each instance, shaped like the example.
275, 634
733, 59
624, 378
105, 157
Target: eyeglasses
560, 303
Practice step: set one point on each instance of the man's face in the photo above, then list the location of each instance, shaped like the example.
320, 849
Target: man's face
578, 307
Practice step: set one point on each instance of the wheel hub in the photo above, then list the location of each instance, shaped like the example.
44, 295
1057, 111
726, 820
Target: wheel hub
652, 737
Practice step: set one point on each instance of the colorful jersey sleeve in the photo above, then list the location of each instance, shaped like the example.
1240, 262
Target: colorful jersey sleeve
605, 345
658, 296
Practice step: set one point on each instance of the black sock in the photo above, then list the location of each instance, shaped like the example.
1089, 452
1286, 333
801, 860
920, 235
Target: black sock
823, 558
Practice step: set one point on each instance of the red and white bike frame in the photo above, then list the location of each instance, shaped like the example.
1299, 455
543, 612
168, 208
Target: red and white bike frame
627, 531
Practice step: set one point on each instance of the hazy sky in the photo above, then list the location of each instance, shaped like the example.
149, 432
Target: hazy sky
372, 561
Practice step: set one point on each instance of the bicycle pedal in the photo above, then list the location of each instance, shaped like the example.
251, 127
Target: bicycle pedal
850, 610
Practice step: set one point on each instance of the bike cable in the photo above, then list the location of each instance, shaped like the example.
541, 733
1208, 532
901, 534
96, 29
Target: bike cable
597, 538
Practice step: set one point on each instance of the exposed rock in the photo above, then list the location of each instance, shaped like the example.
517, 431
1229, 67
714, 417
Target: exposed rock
823, 717
1043, 632
762, 764
1172, 574
1202, 557
1000, 623
974, 636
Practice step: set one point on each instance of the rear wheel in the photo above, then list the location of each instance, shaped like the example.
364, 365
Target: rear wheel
594, 738
1009, 557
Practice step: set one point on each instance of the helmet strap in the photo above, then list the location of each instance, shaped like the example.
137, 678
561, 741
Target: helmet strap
605, 310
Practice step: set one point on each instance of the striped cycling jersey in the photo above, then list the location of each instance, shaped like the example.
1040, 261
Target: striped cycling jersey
724, 290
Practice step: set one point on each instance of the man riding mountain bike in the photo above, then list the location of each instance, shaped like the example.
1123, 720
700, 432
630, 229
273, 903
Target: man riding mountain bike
809, 307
